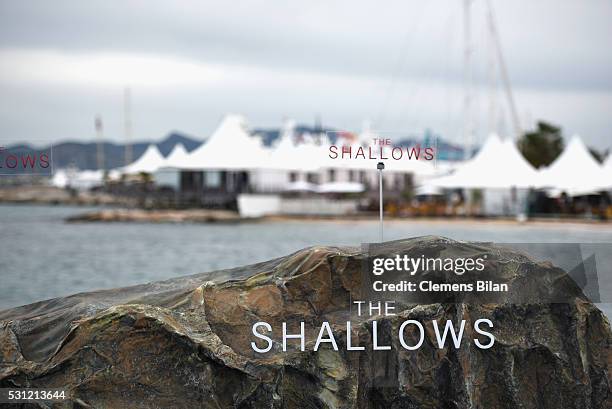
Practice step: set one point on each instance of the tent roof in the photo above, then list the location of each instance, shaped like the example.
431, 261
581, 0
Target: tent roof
607, 168
289, 156
575, 171
150, 161
230, 147
176, 157
497, 165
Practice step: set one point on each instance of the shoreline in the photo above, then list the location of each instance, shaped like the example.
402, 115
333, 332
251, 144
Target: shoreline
541, 221
127, 210
137, 215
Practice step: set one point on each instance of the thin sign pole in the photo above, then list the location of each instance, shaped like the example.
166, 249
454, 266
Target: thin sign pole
380, 168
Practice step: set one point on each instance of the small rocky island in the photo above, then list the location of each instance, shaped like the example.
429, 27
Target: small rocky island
158, 216
186, 342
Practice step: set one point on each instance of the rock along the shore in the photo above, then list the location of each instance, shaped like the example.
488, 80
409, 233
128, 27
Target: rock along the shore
185, 343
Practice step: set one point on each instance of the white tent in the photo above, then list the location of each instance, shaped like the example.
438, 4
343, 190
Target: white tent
150, 161
287, 155
607, 168
176, 157
518, 167
497, 165
464, 174
575, 171
169, 175
230, 147
80, 179
60, 178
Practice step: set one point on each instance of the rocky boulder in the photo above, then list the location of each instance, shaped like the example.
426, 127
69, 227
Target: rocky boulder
186, 342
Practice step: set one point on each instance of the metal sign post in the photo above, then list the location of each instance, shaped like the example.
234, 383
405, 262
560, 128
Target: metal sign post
380, 166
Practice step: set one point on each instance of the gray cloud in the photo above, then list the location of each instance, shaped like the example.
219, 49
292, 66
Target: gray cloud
364, 59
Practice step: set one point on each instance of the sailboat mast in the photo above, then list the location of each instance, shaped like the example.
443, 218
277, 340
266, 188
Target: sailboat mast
492, 123
504, 71
99, 146
467, 54
127, 124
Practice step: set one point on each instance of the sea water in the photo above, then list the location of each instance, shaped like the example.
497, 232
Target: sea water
42, 256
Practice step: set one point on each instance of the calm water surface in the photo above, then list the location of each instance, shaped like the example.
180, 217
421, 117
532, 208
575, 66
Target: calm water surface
43, 257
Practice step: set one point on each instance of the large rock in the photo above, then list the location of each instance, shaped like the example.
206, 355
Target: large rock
186, 342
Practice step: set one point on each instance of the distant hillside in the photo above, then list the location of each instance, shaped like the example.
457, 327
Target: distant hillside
83, 155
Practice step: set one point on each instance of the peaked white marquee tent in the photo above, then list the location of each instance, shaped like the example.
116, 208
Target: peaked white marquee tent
575, 171
607, 167
230, 147
150, 161
497, 165
177, 156
286, 155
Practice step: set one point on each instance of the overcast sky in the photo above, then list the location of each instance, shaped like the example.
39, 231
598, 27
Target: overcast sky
398, 64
